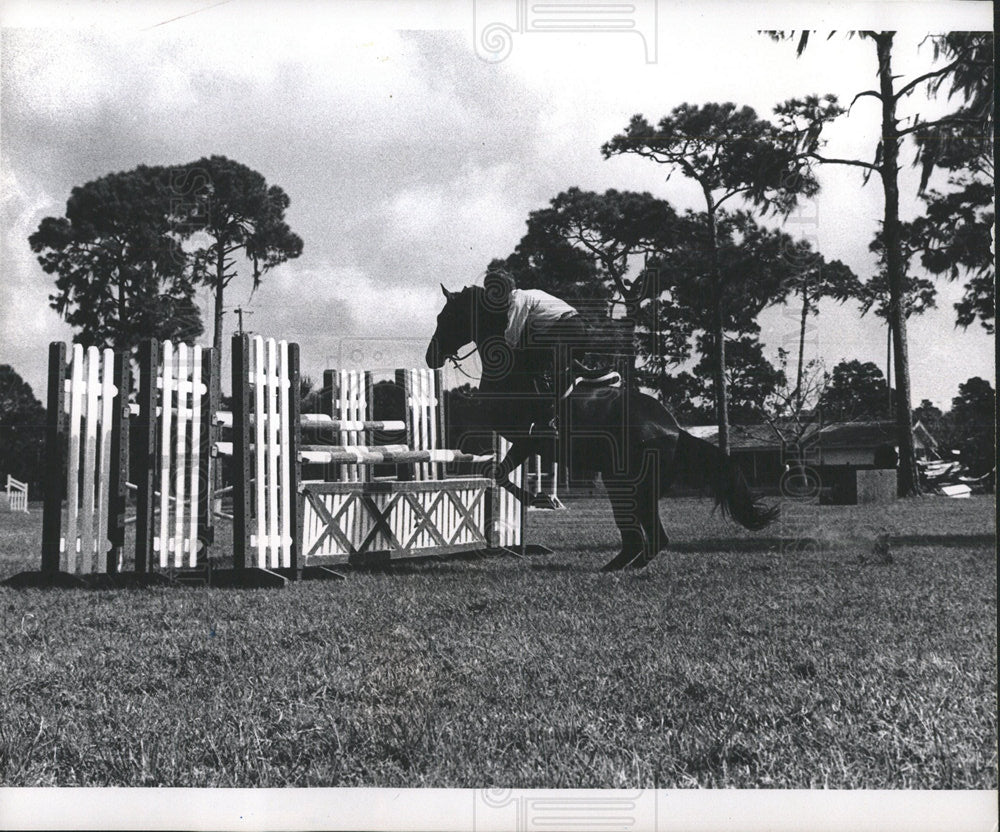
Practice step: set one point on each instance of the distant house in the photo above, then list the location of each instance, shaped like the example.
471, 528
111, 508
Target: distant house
856, 443
763, 455
757, 448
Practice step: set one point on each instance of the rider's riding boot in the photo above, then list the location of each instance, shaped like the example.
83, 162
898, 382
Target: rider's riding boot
547, 426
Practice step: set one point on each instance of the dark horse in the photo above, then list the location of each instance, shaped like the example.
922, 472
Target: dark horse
630, 438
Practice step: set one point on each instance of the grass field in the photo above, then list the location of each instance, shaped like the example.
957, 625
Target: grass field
801, 657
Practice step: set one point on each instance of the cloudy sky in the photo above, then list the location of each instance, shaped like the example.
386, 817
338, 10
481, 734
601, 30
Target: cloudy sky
410, 160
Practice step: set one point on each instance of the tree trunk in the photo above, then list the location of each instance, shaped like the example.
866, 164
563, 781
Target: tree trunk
632, 301
888, 364
797, 398
220, 275
721, 393
719, 333
121, 339
908, 481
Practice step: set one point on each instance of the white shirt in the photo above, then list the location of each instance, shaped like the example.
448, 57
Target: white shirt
534, 306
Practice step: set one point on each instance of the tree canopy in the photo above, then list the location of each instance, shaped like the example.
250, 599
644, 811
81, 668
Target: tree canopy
229, 211
856, 391
814, 280
587, 248
614, 228
120, 269
805, 120
731, 153
22, 428
954, 236
728, 150
751, 380
133, 246
973, 425
749, 272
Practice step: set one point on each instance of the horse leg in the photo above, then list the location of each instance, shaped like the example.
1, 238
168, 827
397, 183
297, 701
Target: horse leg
655, 536
624, 506
513, 459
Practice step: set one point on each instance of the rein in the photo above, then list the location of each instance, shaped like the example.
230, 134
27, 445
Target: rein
454, 359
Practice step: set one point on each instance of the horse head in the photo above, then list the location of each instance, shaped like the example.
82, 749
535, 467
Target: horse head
455, 326
470, 315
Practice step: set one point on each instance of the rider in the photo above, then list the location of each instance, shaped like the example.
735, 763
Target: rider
542, 330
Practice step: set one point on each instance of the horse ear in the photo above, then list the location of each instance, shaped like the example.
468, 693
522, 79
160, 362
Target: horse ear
447, 294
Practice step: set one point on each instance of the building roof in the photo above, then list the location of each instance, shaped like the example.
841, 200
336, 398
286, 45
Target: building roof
835, 435
870, 435
758, 437
857, 435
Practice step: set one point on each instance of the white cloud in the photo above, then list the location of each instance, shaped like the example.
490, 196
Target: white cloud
26, 321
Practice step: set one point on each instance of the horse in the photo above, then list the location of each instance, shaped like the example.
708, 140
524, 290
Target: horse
627, 436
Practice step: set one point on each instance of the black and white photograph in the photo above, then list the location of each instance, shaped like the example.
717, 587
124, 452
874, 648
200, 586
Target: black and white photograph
498, 415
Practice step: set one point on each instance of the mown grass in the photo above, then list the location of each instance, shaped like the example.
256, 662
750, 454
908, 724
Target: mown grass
822, 665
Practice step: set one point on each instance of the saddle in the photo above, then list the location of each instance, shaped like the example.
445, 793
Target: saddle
588, 378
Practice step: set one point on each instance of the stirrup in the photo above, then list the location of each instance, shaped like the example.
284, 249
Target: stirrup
549, 428
611, 378
585, 371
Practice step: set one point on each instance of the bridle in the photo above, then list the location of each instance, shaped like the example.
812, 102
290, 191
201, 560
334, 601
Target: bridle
454, 359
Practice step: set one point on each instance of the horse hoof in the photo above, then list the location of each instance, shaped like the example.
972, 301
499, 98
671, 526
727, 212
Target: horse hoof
544, 501
620, 561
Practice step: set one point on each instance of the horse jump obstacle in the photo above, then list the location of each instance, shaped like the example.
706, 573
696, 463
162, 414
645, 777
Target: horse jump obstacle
359, 517
176, 425
17, 495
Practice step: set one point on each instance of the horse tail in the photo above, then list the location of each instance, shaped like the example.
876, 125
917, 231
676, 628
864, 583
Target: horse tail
701, 464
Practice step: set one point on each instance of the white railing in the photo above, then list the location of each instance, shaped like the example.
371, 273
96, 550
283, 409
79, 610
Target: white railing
17, 494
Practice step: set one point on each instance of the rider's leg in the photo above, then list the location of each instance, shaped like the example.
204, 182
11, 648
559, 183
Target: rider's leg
514, 458
536, 362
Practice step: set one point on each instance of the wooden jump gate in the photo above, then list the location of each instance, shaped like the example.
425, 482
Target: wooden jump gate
285, 526
360, 518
